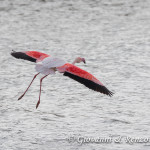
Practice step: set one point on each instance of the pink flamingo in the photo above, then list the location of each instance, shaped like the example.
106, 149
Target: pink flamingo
45, 64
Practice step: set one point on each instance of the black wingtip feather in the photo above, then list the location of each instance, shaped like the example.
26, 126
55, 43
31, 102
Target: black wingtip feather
21, 55
90, 84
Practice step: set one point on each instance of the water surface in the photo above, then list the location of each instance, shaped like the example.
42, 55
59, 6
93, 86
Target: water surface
113, 37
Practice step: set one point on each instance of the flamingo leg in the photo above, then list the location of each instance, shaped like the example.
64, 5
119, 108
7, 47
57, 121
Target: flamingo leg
28, 87
40, 90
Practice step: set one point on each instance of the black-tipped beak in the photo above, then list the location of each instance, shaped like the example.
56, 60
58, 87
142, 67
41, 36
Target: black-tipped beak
83, 60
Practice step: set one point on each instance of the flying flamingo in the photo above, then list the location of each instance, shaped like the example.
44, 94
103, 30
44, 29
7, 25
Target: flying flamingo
45, 64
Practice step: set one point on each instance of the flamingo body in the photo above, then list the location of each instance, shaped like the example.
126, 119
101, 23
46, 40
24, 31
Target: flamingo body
49, 65
51, 62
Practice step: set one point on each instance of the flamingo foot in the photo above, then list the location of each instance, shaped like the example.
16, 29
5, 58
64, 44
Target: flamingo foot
20, 97
37, 104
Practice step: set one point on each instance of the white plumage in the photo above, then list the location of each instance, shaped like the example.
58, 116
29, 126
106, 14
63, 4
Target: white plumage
51, 62
48, 65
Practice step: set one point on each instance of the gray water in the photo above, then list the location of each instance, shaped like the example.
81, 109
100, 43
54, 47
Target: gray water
114, 38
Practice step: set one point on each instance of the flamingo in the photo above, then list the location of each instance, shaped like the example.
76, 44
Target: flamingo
45, 64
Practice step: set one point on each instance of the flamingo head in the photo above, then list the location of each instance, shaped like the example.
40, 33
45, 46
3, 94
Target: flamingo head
79, 59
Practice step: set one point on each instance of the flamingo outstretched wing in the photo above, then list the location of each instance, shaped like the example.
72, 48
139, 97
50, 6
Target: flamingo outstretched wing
32, 56
85, 78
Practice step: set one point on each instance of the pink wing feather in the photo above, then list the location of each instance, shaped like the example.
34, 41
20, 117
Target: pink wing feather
37, 55
33, 56
84, 78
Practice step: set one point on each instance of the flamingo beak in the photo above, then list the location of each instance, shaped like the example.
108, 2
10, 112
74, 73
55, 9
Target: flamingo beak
83, 60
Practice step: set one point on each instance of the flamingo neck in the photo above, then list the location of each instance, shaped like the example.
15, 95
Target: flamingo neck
75, 61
